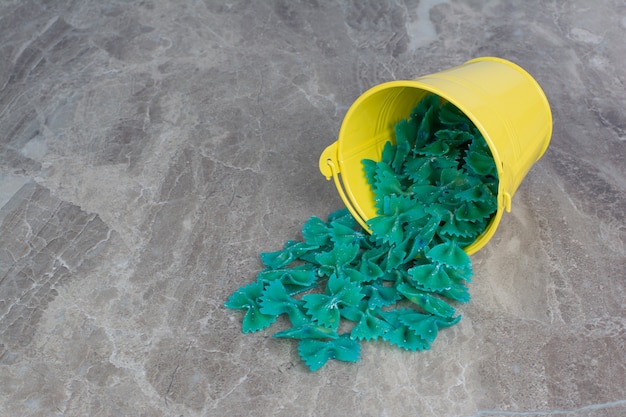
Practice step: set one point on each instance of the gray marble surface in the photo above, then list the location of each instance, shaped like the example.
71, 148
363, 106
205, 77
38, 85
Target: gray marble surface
149, 150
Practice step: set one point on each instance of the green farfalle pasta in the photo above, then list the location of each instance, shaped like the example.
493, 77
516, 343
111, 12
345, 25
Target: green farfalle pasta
248, 298
292, 251
438, 148
307, 331
425, 325
344, 234
406, 339
457, 291
379, 295
401, 335
430, 277
303, 275
369, 169
316, 232
451, 116
397, 211
435, 191
369, 324
449, 253
420, 171
325, 308
369, 267
426, 301
276, 300
405, 134
386, 181
337, 260
315, 353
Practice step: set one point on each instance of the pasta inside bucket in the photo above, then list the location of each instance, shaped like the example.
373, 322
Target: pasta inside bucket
501, 99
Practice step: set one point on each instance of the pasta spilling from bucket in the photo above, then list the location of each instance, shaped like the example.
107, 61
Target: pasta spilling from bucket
435, 192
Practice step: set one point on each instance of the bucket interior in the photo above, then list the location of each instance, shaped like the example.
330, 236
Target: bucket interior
369, 124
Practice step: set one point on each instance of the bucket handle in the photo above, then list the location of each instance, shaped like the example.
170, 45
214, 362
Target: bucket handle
329, 168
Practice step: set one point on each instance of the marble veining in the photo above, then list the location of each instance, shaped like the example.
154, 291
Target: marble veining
150, 150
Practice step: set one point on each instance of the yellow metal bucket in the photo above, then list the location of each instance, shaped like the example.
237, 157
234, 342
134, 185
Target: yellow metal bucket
502, 100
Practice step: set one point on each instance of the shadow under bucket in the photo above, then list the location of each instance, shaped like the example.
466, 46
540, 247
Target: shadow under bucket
503, 101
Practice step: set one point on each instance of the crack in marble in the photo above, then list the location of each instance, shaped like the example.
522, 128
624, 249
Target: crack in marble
169, 387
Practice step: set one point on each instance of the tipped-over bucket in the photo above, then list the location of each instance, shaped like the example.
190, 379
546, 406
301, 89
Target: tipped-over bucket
502, 100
